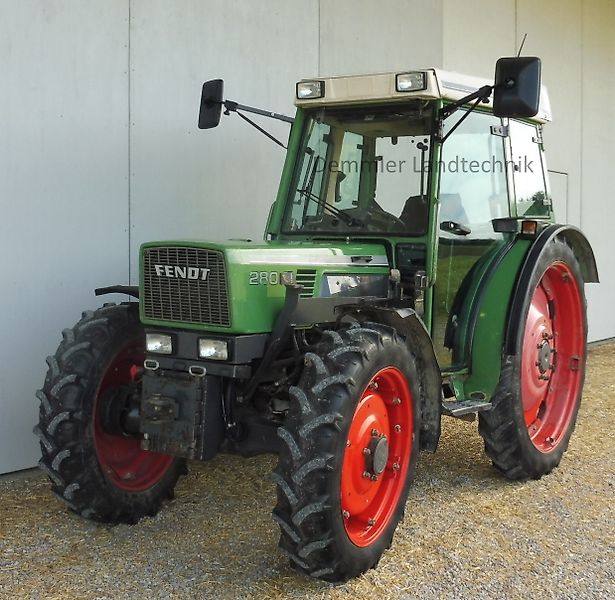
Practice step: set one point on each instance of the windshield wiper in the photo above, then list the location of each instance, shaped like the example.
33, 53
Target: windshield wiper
350, 221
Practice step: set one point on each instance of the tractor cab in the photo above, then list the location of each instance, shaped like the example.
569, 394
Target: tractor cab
405, 160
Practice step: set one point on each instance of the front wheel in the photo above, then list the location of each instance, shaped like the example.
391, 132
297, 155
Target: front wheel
536, 403
96, 467
350, 451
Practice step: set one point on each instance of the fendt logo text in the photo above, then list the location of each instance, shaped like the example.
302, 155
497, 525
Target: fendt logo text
182, 272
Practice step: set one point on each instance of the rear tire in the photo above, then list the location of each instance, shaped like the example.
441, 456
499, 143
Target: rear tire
101, 476
338, 506
537, 400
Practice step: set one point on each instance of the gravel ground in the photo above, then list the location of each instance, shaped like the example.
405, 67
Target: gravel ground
468, 533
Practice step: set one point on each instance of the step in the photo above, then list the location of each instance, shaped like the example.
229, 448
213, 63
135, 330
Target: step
460, 408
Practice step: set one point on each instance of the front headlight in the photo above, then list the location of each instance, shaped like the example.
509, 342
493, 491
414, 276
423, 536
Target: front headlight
215, 349
159, 343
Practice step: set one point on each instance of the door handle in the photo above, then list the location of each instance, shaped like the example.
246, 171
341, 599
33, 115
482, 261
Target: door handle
364, 258
455, 228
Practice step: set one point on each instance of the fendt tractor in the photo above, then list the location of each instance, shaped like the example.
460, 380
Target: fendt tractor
411, 268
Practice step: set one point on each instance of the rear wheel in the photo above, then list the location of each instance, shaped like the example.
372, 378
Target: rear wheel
536, 404
351, 444
96, 466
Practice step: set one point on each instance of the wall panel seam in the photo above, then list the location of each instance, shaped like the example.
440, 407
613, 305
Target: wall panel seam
129, 84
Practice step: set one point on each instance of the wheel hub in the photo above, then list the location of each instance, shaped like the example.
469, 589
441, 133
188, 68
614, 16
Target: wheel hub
544, 357
376, 459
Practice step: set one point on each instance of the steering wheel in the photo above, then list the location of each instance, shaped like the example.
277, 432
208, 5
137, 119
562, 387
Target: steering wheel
378, 215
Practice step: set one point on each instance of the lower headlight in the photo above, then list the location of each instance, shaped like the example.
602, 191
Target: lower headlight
215, 349
159, 343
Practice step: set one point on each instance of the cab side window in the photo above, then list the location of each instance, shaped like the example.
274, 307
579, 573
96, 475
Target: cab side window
528, 176
473, 188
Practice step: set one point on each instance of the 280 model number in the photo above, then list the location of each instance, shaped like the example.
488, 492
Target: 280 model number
265, 278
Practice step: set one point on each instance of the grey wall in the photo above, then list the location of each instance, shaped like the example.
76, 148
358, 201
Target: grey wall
63, 187
99, 149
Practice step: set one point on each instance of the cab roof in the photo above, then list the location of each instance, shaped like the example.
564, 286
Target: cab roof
381, 87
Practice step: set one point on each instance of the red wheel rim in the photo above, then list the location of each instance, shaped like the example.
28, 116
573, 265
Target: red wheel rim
553, 357
121, 458
372, 482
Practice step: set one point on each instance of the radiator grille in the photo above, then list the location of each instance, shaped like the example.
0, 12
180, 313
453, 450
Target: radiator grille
179, 292
306, 278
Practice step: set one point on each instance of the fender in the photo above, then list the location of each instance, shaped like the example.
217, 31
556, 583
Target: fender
408, 324
129, 290
575, 238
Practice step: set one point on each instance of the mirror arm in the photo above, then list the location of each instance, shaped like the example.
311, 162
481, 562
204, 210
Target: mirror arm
480, 95
259, 128
465, 116
230, 106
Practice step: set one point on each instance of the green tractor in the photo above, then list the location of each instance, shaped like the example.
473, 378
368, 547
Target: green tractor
411, 268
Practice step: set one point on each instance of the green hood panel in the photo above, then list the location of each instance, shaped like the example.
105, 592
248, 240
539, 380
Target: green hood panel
253, 276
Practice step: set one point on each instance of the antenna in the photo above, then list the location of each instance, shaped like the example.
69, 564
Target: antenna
522, 44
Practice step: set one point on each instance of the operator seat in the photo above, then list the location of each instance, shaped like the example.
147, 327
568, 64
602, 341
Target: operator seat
415, 215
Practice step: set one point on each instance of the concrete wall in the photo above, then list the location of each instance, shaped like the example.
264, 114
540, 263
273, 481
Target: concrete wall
99, 148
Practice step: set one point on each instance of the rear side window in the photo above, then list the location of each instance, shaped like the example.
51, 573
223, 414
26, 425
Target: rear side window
528, 175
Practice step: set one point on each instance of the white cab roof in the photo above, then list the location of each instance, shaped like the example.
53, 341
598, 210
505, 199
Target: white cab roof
380, 87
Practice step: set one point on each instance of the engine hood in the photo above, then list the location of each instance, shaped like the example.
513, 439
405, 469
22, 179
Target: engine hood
246, 280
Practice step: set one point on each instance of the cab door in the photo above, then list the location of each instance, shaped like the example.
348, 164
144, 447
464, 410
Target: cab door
473, 190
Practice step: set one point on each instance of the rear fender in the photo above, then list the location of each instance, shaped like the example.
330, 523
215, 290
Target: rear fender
582, 250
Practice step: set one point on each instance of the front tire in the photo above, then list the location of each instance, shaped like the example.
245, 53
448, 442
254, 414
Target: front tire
101, 475
351, 445
537, 400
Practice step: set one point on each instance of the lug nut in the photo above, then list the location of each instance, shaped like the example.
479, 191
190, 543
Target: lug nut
347, 443
373, 385
397, 428
395, 466
366, 475
367, 451
345, 514
374, 477
371, 522
375, 433
396, 401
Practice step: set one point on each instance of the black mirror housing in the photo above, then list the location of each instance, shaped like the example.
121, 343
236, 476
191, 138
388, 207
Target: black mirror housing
211, 104
517, 87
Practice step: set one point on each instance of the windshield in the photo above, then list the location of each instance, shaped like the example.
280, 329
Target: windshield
362, 170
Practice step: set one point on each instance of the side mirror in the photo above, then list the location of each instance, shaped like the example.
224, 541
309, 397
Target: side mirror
211, 104
517, 87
